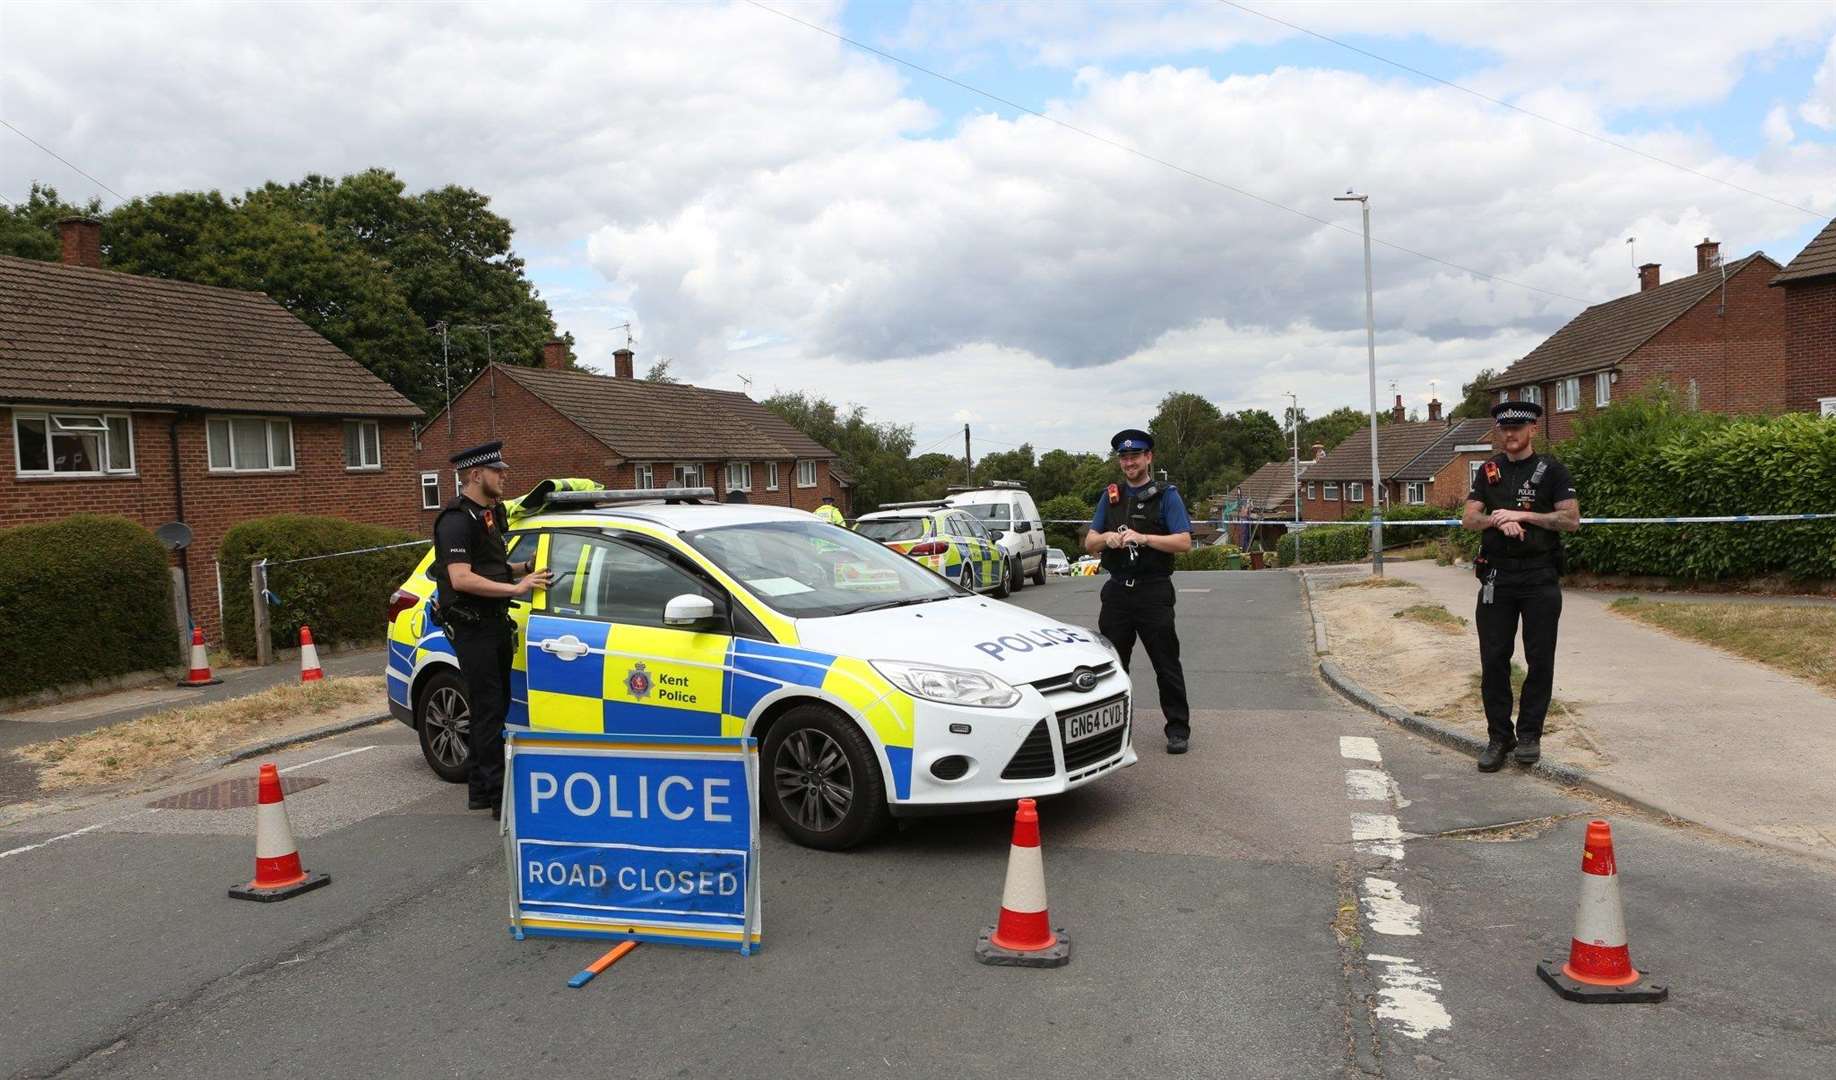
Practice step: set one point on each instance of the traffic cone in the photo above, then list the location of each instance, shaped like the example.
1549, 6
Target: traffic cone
310, 671
1024, 936
277, 861
1599, 967
200, 664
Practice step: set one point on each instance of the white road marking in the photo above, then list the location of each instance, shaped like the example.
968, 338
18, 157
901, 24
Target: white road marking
1378, 834
1387, 912
1359, 748
1408, 997
72, 834
329, 757
1367, 785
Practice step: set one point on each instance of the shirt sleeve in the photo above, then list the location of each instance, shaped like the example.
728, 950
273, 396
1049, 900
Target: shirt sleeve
1096, 519
1561, 485
1473, 494
1175, 507
453, 538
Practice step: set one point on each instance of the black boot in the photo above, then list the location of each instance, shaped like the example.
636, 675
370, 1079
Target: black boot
1528, 751
1491, 759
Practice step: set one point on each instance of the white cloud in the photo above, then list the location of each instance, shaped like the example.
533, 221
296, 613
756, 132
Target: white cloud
1820, 107
1778, 126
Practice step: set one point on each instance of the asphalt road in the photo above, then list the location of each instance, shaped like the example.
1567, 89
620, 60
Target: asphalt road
1201, 893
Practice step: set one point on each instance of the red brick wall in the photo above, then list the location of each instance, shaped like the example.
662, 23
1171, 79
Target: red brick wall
1810, 343
1737, 360
1319, 508
318, 484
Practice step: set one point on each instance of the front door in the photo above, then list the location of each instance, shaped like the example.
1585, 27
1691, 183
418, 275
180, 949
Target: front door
600, 656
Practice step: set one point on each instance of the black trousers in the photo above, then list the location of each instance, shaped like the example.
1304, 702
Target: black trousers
1146, 612
1535, 598
485, 651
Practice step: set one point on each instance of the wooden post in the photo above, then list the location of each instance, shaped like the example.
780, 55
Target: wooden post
258, 596
181, 614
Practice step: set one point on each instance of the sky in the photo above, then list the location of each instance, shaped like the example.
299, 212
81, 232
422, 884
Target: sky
1046, 218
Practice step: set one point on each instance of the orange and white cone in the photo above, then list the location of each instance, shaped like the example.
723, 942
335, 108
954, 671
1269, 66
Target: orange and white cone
278, 874
1024, 935
1599, 966
310, 671
200, 664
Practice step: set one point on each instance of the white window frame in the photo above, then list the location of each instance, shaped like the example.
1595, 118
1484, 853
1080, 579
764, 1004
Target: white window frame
1332, 491
1472, 473
268, 423
430, 480
739, 476
686, 475
1603, 389
363, 465
1533, 393
1827, 406
1568, 394
1354, 492
1312, 490
806, 473
1503, 396
1416, 493
51, 418
643, 477
771, 476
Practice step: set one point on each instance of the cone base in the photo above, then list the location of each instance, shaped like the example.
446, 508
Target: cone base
251, 891
1058, 954
1643, 991
208, 681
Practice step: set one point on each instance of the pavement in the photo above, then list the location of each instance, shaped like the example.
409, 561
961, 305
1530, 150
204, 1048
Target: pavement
1309, 893
1701, 733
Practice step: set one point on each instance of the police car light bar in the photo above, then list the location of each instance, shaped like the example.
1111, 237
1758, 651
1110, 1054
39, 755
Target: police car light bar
992, 485
916, 505
602, 498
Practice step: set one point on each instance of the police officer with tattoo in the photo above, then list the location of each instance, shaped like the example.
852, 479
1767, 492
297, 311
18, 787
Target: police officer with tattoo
477, 581
1521, 502
1137, 529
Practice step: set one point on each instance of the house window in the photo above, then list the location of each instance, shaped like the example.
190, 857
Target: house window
1827, 405
739, 476
1503, 396
1532, 393
362, 444
1312, 491
1332, 492
771, 476
1354, 493
250, 444
806, 474
1568, 394
687, 476
72, 444
645, 477
1603, 389
1472, 474
1416, 494
430, 491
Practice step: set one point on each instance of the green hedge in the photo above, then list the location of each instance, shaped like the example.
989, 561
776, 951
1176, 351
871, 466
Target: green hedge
343, 599
85, 598
1206, 558
1352, 543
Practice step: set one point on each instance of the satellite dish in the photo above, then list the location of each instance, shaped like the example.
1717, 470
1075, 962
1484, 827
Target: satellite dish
174, 534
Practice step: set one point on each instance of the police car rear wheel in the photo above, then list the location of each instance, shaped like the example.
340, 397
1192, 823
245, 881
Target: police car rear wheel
824, 786
1000, 590
445, 724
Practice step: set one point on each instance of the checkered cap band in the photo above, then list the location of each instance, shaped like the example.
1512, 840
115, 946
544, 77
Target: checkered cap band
492, 455
1515, 416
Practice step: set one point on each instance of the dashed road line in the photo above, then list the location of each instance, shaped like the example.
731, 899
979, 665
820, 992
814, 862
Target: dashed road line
72, 834
323, 760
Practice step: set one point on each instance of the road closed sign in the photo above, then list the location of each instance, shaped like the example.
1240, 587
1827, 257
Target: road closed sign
651, 838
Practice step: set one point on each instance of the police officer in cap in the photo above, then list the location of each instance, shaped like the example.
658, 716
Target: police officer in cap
829, 513
1137, 529
1521, 503
477, 581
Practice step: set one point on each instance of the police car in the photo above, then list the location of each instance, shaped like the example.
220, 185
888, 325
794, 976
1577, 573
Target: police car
875, 687
949, 541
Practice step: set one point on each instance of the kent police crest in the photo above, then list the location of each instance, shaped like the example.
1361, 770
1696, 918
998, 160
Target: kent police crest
637, 682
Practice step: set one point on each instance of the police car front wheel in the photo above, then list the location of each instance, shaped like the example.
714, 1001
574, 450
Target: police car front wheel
444, 721
823, 783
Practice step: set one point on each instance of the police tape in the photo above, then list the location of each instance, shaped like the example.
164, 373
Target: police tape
341, 554
1725, 519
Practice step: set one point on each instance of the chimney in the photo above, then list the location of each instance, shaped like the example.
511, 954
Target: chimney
1319, 451
1647, 277
1708, 255
1397, 412
1434, 408
621, 363
554, 354
82, 240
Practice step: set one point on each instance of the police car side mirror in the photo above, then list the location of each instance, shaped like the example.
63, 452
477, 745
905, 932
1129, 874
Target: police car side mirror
689, 609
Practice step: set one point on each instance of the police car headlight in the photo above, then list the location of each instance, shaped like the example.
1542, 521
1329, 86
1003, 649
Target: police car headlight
953, 686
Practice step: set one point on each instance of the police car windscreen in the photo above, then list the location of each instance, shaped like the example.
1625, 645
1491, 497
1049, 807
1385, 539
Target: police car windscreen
814, 570
887, 530
993, 513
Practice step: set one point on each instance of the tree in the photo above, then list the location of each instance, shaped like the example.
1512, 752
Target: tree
1330, 430
659, 371
1188, 439
1016, 465
1065, 508
1476, 399
1058, 471
29, 229
930, 476
1252, 438
877, 455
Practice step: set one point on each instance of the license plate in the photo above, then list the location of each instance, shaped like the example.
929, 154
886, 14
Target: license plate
1093, 722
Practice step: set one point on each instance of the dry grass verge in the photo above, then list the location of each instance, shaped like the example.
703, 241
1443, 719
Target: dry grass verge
1378, 583
1799, 641
166, 738
1433, 615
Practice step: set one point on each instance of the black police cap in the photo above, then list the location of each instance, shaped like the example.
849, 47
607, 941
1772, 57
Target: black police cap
1513, 413
490, 454
1131, 441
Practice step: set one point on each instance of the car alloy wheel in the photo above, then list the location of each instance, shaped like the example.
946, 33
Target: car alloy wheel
814, 781
445, 727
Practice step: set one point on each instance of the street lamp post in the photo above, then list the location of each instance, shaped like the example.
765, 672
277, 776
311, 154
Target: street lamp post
1294, 431
1370, 346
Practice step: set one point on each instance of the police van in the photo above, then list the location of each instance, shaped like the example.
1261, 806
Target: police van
875, 687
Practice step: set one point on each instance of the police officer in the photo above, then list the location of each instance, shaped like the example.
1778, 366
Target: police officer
828, 513
476, 582
1521, 502
1137, 529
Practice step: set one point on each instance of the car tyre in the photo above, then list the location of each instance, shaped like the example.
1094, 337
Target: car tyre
443, 719
1039, 575
999, 592
822, 781
1016, 580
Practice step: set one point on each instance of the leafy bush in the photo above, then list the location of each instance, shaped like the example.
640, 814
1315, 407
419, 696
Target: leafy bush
1206, 558
343, 599
1064, 508
86, 598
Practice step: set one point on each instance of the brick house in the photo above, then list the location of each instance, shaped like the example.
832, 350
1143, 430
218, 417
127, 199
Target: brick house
1426, 463
626, 433
1809, 285
166, 401
1717, 337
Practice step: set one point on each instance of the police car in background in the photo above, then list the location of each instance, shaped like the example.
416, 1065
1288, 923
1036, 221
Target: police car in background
1007, 511
875, 687
944, 538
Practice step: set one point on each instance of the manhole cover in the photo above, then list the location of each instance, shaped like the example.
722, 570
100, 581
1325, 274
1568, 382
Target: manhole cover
230, 794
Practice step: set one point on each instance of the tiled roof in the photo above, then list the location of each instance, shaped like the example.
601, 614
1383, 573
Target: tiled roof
1271, 487
84, 336
1818, 259
1438, 453
661, 421
1397, 445
1605, 334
